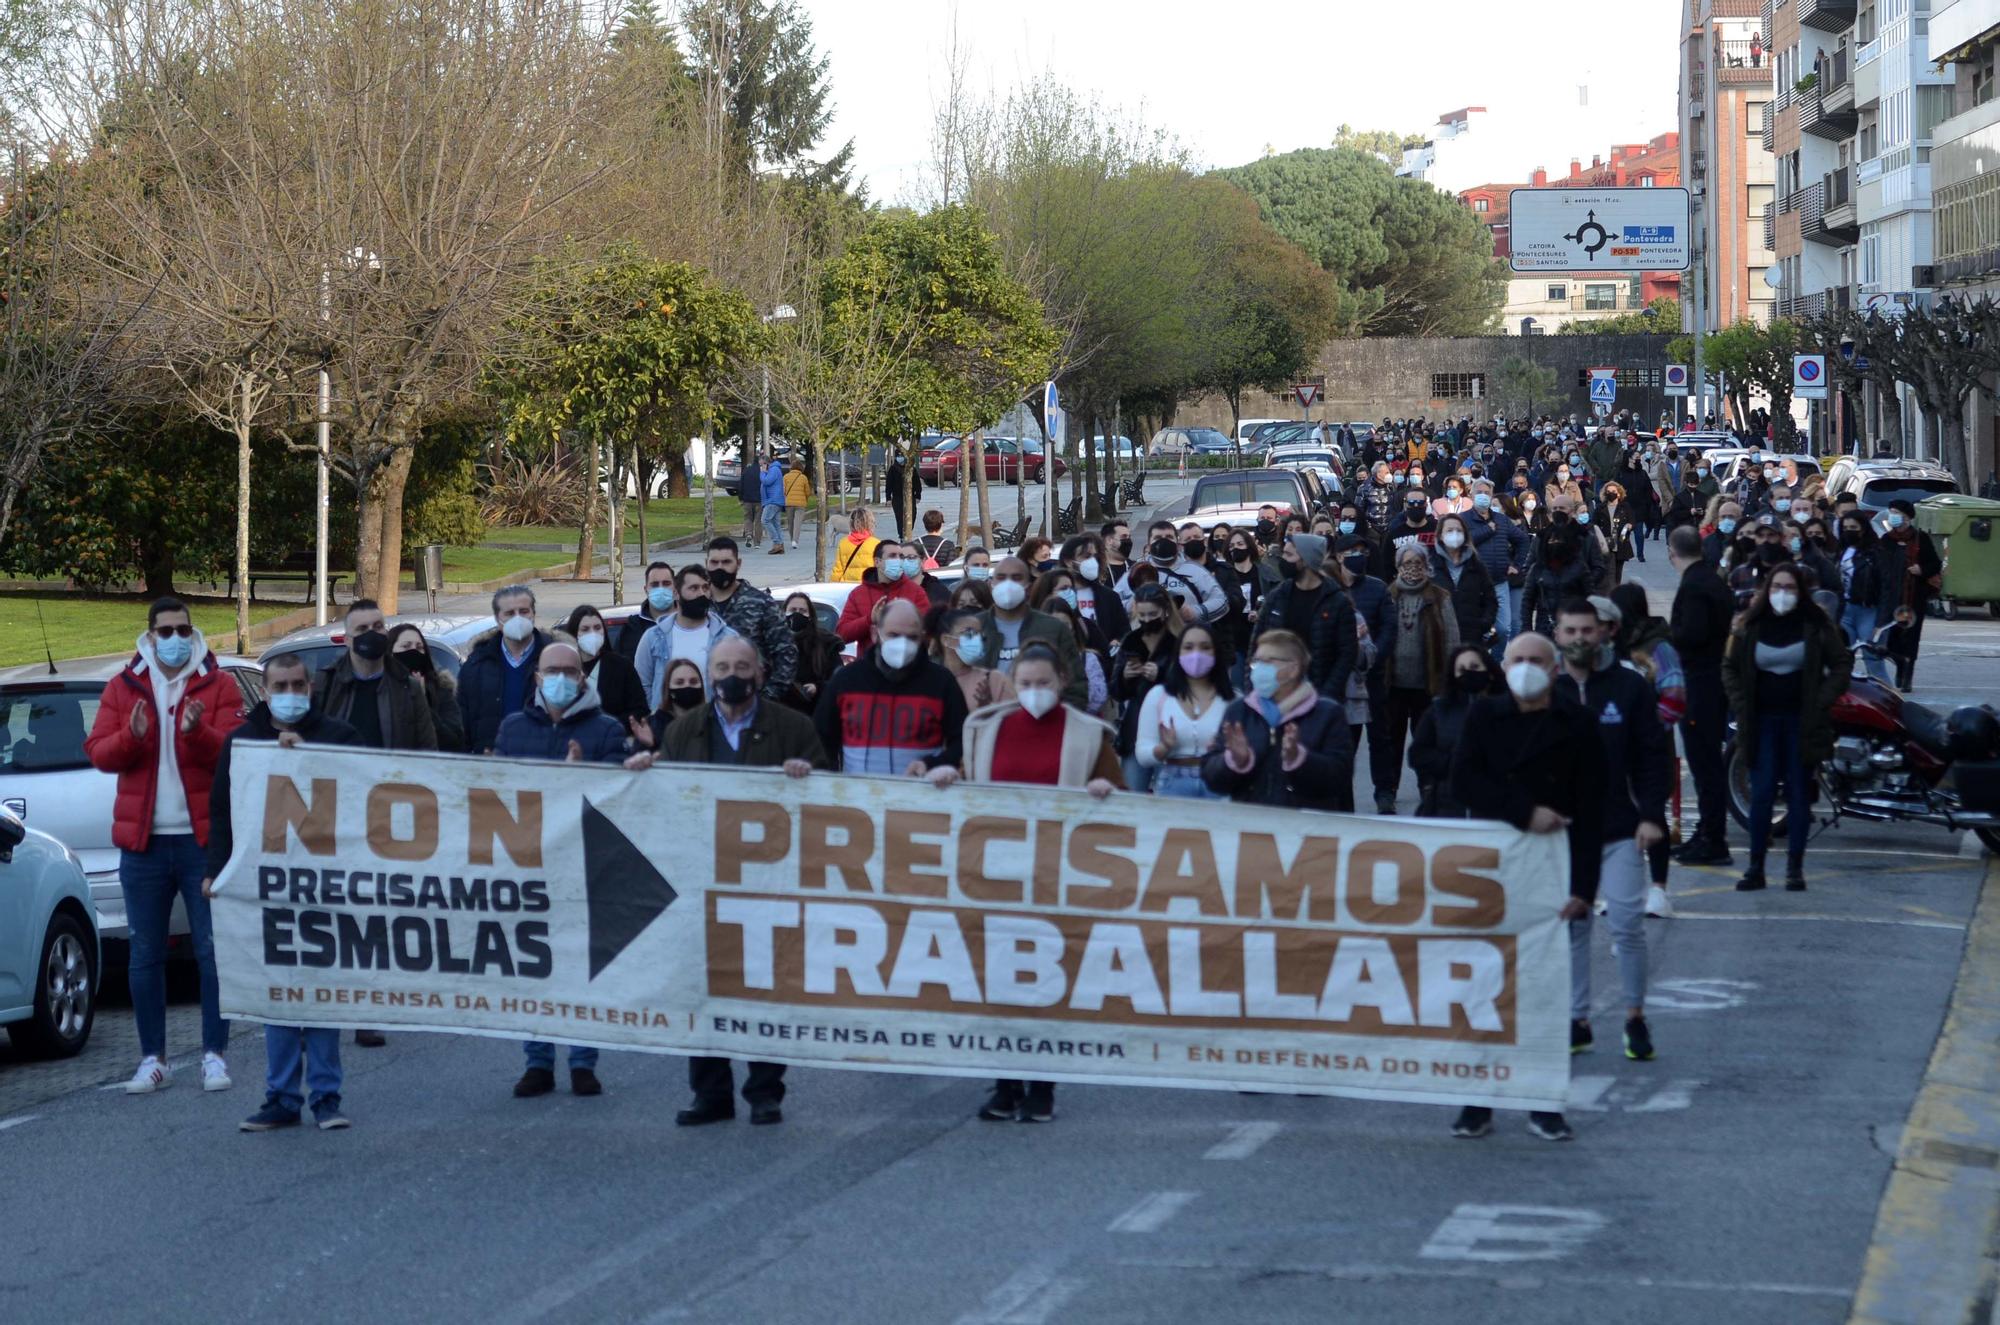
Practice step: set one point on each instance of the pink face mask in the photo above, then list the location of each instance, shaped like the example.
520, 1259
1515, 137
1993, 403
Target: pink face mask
1197, 664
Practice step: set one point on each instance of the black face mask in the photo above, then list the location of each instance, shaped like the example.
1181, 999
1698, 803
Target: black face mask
694, 608
1289, 569
1357, 566
1241, 556
801, 621
721, 579
734, 689
1124, 547
1850, 538
1194, 551
415, 660
371, 646
682, 698
1475, 682
1166, 549
1266, 529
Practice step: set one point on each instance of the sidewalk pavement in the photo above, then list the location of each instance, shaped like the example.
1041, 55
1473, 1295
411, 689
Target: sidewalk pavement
555, 598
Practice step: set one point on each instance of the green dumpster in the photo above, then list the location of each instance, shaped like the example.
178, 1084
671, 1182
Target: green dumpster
1967, 533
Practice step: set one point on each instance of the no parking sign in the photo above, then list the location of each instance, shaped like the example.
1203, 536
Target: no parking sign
1809, 376
1676, 381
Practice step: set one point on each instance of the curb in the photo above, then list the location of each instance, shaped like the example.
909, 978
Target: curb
1932, 1257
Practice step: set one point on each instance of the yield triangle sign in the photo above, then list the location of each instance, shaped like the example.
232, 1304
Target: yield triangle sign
625, 892
1307, 393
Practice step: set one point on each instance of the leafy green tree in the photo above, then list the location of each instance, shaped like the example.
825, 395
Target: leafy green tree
1408, 259
760, 57
626, 348
1748, 355
1660, 317
1386, 142
1520, 378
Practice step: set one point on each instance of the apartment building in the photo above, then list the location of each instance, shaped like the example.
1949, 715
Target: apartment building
1726, 82
1965, 183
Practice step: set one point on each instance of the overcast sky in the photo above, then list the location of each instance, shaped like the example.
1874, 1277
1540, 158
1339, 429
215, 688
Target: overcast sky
1230, 79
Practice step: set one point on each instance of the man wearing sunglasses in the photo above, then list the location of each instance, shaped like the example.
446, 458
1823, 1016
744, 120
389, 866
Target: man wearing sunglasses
160, 727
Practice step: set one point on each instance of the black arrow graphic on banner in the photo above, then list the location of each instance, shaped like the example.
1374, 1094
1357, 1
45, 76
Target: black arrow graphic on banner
626, 893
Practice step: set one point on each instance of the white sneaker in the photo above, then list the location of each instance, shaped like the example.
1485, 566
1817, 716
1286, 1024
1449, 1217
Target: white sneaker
152, 1075
1603, 907
1657, 905
214, 1073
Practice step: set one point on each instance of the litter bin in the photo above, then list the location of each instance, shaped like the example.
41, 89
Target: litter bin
430, 571
1967, 533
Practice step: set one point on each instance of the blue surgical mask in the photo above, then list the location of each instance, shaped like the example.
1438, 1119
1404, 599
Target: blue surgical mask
289, 709
1725, 525
1781, 504
1583, 517
1264, 679
890, 571
1895, 519
1482, 500
559, 691
659, 598
971, 649
174, 650
1347, 526
913, 568
1067, 595
978, 572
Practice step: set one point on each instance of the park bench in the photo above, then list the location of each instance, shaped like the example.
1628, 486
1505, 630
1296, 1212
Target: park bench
294, 569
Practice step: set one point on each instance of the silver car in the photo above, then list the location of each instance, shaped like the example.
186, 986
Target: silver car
47, 781
49, 958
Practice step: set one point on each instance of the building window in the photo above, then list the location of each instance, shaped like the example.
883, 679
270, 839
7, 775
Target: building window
1481, 205
1600, 298
1558, 293
1755, 113
1645, 181
1457, 386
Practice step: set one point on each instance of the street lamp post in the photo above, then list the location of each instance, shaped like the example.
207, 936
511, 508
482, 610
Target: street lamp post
323, 458
782, 313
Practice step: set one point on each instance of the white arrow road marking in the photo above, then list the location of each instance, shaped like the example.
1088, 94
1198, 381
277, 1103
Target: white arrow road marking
1151, 1213
6, 1123
1244, 1140
1696, 994
1523, 1232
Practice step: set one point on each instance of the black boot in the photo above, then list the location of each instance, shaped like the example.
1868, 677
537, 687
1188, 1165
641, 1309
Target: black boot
1795, 874
1753, 878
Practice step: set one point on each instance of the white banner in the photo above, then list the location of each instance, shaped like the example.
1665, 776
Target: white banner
885, 925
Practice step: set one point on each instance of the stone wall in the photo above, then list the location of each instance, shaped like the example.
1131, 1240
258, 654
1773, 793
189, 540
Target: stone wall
1402, 378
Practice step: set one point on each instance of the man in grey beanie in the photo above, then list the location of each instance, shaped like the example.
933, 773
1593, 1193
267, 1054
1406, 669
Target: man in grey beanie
1314, 607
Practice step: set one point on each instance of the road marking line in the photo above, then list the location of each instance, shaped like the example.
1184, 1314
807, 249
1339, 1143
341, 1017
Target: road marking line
1151, 1213
6, 1123
1817, 915
1371, 1272
1244, 1140
1586, 1094
1675, 1095
1699, 994
1540, 1232
1028, 1297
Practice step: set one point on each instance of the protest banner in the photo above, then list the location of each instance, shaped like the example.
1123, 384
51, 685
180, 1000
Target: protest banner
838, 921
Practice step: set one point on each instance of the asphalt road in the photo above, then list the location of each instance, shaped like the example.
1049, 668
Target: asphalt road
1735, 1178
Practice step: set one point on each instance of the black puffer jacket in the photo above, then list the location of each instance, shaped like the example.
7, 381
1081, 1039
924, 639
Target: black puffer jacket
1331, 639
1431, 750
1473, 599
1318, 783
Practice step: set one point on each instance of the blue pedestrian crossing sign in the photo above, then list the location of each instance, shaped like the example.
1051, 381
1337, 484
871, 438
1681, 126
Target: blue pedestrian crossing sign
1603, 390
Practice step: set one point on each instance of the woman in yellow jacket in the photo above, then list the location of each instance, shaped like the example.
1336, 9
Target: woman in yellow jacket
854, 556
798, 496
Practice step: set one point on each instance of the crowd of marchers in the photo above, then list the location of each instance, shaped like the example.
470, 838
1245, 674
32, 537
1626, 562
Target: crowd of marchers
1464, 613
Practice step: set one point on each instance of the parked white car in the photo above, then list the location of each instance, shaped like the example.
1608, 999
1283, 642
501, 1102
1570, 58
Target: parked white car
50, 963
48, 783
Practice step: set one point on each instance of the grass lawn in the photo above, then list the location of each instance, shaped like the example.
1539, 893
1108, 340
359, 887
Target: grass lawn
472, 565
666, 517
83, 625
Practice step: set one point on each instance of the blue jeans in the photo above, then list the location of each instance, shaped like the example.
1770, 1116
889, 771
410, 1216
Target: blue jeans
1512, 593
1779, 755
1858, 621
1185, 782
542, 1054
171, 866
1138, 777
292, 1050
774, 524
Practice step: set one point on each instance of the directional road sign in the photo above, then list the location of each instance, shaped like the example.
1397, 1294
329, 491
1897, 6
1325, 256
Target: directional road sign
1598, 230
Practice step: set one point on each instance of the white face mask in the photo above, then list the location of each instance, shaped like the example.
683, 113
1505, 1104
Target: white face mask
1527, 680
1038, 700
1453, 539
1009, 594
590, 641
1783, 601
899, 651
1090, 567
517, 628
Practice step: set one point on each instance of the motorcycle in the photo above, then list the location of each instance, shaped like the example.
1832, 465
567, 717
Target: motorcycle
1897, 761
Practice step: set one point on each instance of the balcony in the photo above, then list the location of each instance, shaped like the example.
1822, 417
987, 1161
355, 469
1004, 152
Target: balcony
1836, 82
1838, 189
1736, 66
1826, 15
1772, 110
1801, 306
1771, 228
1817, 120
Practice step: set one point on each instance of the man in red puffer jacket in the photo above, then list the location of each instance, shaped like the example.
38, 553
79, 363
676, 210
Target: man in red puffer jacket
898, 573
160, 819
